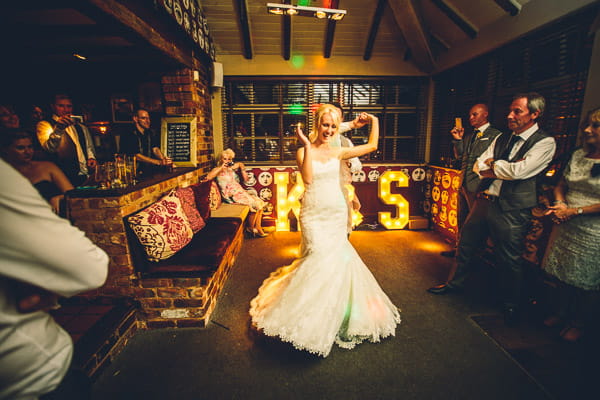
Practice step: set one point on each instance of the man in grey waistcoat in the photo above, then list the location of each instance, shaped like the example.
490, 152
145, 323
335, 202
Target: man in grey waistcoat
468, 147
510, 168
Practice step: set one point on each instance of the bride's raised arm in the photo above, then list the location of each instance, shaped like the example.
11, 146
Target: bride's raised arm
304, 157
362, 149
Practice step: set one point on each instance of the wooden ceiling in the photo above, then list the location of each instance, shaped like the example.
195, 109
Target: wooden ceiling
418, 29
134, 34
107, 34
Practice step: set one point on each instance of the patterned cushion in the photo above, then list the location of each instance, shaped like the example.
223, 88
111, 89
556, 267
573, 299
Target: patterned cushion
163, 228
186, 195
215, 196
202, 195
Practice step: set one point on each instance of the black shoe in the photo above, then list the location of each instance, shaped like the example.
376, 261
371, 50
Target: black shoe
511, 316
444, 288
449, 253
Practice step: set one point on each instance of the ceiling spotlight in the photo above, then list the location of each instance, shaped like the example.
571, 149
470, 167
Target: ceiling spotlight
317, 12
276, 11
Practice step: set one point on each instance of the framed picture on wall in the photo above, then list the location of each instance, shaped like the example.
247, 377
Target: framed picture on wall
122, 108
178, 140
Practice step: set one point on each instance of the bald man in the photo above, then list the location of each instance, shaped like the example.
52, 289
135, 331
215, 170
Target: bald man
468, 147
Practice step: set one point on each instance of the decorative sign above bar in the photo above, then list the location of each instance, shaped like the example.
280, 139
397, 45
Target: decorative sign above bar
178, 140
188, 14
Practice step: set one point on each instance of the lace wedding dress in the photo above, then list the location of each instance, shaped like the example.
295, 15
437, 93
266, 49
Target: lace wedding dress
328, 294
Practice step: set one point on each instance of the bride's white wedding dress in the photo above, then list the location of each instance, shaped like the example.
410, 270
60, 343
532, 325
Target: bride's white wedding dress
328, 294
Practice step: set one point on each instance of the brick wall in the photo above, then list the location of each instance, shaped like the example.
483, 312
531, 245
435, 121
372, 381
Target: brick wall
185, 302
164, 302
189, 97
101, 218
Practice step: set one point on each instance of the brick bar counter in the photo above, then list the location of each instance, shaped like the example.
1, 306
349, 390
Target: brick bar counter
100, 214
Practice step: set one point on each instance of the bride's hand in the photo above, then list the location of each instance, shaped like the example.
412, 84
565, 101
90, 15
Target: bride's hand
302, 136
371, 117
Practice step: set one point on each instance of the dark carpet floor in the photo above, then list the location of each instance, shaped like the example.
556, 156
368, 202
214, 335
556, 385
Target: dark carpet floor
438, 352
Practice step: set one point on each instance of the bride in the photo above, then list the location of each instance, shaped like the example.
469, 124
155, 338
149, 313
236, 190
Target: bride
328, 295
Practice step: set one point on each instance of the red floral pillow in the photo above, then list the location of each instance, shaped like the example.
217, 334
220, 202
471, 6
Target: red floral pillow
186, 195
202, 195
163, 228
215, 196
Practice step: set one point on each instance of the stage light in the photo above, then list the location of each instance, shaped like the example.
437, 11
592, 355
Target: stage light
303, 11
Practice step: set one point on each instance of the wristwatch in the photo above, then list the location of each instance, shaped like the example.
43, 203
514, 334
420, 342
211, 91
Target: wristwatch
580, 211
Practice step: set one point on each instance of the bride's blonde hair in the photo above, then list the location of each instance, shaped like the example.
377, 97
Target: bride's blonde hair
325, 109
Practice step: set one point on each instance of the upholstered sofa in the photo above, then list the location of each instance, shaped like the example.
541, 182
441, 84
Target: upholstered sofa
180, 289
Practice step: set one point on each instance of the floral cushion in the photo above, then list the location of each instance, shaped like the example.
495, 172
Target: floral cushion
215, 196
188, 202
163, 228
202, 196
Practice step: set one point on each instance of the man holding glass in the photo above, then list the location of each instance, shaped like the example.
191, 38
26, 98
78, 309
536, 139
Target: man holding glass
68, 139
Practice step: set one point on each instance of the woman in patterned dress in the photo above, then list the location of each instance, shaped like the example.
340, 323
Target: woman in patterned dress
232, 192
573, 250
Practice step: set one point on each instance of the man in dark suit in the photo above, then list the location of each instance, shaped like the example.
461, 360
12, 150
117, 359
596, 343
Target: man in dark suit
468, 147
502, 210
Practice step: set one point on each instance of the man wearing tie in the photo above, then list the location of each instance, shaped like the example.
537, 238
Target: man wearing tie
68, 140
468, 147
502, 210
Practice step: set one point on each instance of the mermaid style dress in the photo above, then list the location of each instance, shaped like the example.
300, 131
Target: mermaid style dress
328, 294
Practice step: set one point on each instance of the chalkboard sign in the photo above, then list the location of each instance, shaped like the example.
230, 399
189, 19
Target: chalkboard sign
178, 140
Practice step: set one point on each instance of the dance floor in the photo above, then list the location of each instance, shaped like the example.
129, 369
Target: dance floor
438, 351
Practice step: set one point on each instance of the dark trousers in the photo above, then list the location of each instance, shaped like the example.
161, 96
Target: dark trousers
507, 229
466, 200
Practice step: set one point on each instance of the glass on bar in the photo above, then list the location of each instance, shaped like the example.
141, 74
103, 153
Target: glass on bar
130, 170
104, 175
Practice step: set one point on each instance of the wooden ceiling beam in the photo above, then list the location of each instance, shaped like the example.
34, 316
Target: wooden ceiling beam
412, 29
286, 21
512, 7
244, 21
374, 29
329, 35
330, 31
135, 29
439, 40
286, 33
455, 16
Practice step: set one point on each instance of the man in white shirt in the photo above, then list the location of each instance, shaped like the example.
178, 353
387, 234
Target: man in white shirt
69, 140
46, 254
502, 210
350, 166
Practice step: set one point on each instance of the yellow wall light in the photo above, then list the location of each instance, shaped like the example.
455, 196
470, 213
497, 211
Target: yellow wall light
287, 201
355, 215
384, 192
